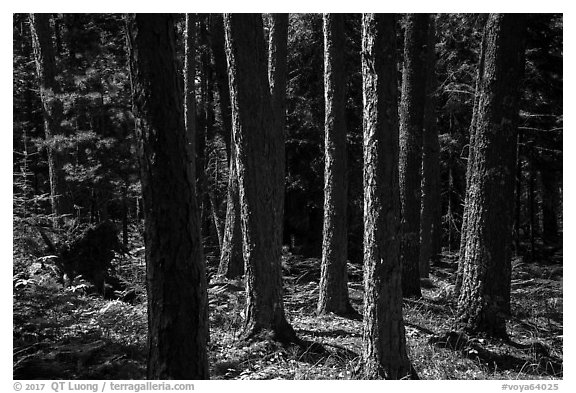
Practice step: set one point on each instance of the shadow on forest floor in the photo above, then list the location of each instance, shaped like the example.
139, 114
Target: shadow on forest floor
66, 334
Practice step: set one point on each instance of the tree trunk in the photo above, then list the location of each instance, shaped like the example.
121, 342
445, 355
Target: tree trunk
176, 276
384, 341
258, 150
485, 294
52, 111
473, 126
231, 259
411, 124
277, 73
431, 214
333, 280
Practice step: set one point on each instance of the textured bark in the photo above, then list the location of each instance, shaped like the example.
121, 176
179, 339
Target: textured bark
231, 259
431, 214
51, 109
176, 277
333, 280
384, 342
484, 298
411, 124
257, 149
463, 232
277, 73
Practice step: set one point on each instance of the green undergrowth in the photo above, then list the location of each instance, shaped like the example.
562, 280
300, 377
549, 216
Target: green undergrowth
66, 334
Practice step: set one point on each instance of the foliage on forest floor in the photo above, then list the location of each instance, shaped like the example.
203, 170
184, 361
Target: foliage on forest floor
66, 334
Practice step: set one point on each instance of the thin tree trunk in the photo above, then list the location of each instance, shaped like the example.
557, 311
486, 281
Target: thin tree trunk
431, 214
411, 124
52, 112
258, 149
333, 295
484, 298
384, 341
231, 259
176, 276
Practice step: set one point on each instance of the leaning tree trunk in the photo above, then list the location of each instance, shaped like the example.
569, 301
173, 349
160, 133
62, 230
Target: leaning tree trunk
51, 110
411, 124
384, 352
333, 280
231, 259
479, 74
431, 213
484, 298
257, 148
176, 276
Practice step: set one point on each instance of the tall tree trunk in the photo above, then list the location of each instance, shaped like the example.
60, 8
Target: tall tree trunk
431, 213
384, 341
485, 294
176, 276
52, 111
411, 124
231, 259
277, 73
473, 126
257, 148
333, 280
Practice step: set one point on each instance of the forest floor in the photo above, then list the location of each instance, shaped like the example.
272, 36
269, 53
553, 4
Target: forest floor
65, 334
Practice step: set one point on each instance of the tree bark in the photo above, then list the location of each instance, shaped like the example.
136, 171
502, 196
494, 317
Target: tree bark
176, 276
431, 213
334, 281
257, 149
473, 126
231, 259
384, 341
484, 298
52, 112
411, 124
277, 73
